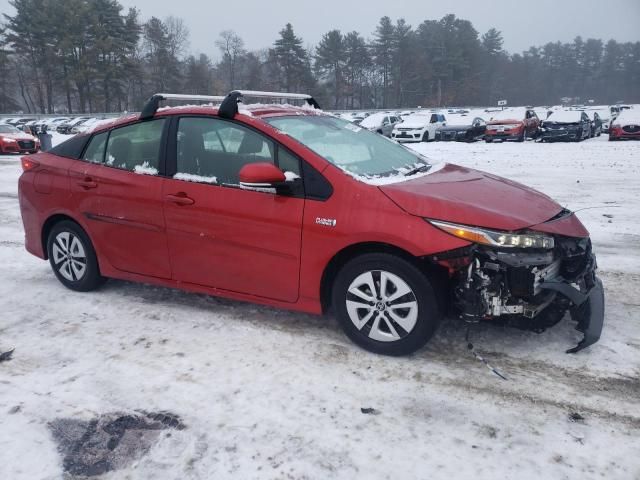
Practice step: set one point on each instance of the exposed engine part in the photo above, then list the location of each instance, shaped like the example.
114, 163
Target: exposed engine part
531, 290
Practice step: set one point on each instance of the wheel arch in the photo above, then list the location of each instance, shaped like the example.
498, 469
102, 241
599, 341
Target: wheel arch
49, 223
430, 269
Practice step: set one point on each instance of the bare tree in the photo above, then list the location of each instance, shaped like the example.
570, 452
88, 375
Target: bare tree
178, 34
232, 48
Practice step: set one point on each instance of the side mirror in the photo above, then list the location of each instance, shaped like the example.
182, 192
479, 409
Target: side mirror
261, 175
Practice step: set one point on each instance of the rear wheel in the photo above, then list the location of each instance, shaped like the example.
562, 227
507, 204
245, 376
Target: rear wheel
73, 258
385, 304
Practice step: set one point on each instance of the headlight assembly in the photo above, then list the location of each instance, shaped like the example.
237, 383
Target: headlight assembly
495, 238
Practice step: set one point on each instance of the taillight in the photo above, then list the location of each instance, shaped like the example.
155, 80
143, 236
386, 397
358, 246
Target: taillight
28, 164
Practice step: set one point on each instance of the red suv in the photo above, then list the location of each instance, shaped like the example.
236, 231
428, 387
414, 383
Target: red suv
290, 207
512, 124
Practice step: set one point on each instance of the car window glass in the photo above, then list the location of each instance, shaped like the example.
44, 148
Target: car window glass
136, 147
288, 162
213, 151
95, 151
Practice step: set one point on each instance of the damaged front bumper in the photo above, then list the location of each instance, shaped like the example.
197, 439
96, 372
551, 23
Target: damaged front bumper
531, 290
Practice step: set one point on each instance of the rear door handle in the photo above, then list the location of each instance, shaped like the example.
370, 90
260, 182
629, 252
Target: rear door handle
180, 199
87, 183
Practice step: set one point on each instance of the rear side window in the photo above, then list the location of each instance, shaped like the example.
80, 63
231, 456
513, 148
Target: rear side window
136, 147
72, 148
95, 151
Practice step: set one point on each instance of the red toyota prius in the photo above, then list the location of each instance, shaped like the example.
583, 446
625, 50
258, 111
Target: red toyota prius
291, 207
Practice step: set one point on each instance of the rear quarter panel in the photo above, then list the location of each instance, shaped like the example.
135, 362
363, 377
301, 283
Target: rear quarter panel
43, 192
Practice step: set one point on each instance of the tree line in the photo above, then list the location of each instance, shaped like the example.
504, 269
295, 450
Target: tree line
79, 56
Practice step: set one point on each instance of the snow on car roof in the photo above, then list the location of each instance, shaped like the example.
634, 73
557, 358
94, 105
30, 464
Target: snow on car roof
565, 116
373, 120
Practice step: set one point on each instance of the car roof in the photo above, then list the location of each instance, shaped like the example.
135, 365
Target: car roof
259, 111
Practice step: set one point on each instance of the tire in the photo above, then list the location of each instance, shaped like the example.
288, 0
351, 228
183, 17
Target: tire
488, 140
522, 137
425, 137
374, 324
73, 258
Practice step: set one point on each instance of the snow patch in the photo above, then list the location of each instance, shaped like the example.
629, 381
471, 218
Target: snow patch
145, 169
188, 177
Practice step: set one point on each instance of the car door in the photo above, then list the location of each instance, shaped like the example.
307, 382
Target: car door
224, 236
118, 192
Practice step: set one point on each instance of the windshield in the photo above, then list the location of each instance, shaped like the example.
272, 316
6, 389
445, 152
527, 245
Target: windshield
350, 147
8, 129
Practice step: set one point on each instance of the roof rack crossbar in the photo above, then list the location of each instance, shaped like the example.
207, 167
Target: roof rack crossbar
151, 107
229, 106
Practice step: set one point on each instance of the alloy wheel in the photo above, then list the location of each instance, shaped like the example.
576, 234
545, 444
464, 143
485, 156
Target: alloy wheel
382, 306
69, 256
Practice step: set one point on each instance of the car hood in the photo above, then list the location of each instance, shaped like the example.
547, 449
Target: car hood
509, 121
413, 124
471, 197
18, 136
455, 127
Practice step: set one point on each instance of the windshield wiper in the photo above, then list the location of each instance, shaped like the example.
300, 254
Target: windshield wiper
421, 168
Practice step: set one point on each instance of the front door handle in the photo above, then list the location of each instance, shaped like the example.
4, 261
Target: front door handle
180, 199
87, 183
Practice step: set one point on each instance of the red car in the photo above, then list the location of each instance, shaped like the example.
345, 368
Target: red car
625, 126
13, 140
290, 207
512, 124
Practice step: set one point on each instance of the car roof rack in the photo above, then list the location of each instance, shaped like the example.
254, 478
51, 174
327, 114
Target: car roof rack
229, 106
151, 107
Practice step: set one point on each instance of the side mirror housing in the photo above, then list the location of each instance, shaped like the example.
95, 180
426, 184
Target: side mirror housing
261, 175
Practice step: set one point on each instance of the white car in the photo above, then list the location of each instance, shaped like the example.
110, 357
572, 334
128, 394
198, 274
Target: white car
382, 123
88, 125
420, 127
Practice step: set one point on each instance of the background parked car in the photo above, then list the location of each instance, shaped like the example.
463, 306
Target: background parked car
45, 124
13, 140
381, 123
566, 126
596, 124
625, 126
604, 115
66, 127
461, 128
512, 124
87, 125
420, 127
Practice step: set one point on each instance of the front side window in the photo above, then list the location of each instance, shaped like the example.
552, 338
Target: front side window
136, 147
213, 151
95, 151
348, 146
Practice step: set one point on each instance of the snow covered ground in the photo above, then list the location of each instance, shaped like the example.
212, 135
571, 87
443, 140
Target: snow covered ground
264, 393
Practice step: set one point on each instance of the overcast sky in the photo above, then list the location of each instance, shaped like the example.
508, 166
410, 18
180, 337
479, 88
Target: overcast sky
523, 23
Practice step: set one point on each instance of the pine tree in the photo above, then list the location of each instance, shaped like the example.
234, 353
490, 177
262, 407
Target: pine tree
330, 61
292, 60
383, 49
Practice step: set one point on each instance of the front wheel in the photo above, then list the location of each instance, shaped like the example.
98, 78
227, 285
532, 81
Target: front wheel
385, 304
73, 258
425, 137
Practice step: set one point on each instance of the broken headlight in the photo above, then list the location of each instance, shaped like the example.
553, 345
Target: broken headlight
495, 238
